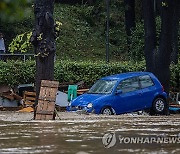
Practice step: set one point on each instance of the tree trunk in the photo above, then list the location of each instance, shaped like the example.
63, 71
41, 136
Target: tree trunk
129, 16
150, 34
165, 47
43, 39
158, 62
176, 15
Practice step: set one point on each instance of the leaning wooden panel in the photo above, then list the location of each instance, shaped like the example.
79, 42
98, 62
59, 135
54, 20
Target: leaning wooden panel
50, 108
45, 111
40, 107
47, 83
48, 94
46, 101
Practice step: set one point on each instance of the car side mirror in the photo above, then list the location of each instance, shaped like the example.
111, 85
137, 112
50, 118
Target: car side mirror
118, 92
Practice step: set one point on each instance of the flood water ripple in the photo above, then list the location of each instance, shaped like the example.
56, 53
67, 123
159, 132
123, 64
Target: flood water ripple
84, 135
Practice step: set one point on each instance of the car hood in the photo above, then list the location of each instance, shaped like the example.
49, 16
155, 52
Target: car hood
87, 98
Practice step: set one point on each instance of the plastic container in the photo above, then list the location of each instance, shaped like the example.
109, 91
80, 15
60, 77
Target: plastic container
72, 92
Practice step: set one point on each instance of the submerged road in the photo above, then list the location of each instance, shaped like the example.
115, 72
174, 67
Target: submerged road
84, 134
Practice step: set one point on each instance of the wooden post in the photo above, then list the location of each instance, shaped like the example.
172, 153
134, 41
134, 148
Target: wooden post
46, 102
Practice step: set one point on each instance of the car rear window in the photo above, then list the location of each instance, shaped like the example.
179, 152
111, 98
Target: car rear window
146, 81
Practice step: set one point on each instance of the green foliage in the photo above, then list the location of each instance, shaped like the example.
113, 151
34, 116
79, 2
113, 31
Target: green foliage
77, 37
58, 26
13, 10
21, 43
83, 31
16, 72
136, 50
89, 72
11, 30
175, 77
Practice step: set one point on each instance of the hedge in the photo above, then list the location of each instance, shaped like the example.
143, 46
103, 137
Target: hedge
14, 73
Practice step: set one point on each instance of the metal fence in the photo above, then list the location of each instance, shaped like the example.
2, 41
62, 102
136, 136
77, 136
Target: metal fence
24, 57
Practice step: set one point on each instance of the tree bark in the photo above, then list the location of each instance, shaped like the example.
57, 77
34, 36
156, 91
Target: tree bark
176, 15
158, 61
165, 47
150, 34
43, 39
129, 16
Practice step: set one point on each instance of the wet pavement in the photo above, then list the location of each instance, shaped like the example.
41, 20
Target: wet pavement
83, 134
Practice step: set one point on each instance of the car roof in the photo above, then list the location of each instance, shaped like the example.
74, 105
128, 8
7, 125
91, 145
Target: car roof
125, 75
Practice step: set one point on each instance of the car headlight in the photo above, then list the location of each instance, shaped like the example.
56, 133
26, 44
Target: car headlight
90, 105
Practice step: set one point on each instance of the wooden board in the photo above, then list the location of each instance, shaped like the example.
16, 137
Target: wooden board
81, 91
46, 101
29, 98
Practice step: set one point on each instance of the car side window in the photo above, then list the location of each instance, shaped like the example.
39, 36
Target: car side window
129, 85
146, 81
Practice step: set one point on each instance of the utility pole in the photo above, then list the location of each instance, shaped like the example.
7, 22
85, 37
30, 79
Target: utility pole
107, 30
155, 6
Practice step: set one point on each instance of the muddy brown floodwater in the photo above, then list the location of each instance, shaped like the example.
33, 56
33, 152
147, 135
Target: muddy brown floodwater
83, 134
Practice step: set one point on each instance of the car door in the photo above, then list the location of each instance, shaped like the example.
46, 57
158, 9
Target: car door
148, 90
130, 97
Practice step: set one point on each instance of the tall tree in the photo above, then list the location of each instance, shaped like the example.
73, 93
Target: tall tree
129, 16
158, 59
43, 39
176, 17
150, 33
130, 23
162, 69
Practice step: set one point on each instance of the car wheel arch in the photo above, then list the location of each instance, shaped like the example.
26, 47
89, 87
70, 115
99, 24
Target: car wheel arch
152, 111
110, 107
159, 96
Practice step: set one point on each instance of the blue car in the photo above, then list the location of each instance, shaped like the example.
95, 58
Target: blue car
123, 93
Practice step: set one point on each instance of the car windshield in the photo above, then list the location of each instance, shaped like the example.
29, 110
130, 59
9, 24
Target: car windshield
103, 87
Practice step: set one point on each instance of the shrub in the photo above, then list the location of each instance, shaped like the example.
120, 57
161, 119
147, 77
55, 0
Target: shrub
89, 72
14, 73
17, 72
